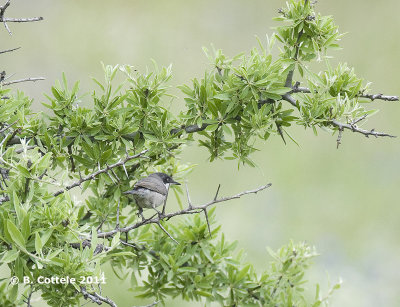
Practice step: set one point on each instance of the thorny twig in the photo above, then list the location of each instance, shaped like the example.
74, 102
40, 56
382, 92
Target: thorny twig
22, 80
5, 20
100, 171
97, 298
300, 89
155, 219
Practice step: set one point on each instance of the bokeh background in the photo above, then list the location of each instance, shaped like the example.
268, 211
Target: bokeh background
345, 201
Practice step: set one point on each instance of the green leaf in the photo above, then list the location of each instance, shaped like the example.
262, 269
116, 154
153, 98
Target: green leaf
211, 128
222, 96
24, 171
25, 227
10, 256
20, 212
38, 243
16, 235
46, 236
188, 269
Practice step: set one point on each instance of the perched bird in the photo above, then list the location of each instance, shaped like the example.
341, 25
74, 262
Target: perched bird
151, 191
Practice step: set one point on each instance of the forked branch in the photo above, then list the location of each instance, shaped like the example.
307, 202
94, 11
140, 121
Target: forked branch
189, 210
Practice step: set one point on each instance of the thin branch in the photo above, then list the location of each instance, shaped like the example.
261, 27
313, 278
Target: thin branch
216, 193
188, 196
5, 20
102, 222
380, 97
23, 80
208, 222
150, 305
298, 89
9, 50
32, 19
354, 128
166, 232
8, 126
97, 298
28, 299
192, 210
339, 138
100, 171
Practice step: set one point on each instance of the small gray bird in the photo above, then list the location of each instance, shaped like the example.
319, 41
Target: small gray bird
152, 191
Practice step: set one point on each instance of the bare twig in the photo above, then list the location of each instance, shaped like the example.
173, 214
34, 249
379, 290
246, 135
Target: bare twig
28, 299
100, 171
97, 298
166, 232
216, 193
5, 20
208, 222
339, 138
102, 222
8, 126
9, 50
193, 210
32, 19
299, 89
188, 196
354, 128
150, 305
22, 80
380, 96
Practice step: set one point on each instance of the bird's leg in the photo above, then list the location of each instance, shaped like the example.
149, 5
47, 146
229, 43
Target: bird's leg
140, 213
165, 202
160, 214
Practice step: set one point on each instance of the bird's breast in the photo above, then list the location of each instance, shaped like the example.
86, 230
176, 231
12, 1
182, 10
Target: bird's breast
146, 198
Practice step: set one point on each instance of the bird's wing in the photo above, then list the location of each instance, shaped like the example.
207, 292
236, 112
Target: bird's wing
147, 183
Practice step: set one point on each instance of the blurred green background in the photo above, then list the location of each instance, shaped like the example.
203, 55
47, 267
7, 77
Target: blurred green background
345, 201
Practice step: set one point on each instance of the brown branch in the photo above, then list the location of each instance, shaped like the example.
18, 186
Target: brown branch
100, 171
97, 298
189, 210
22, 80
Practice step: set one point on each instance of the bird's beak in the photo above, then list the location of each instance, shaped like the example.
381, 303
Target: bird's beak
174, 182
